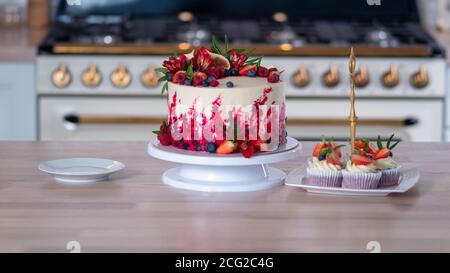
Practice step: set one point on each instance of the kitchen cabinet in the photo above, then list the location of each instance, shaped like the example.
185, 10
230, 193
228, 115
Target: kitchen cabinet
17, 101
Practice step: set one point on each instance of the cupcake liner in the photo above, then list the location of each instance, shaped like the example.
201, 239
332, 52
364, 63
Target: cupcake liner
360, 180
389, 177
324, 178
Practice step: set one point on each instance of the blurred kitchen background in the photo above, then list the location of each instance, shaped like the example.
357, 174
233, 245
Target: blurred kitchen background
84, 69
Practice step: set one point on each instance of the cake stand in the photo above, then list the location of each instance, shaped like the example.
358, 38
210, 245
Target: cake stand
202, 171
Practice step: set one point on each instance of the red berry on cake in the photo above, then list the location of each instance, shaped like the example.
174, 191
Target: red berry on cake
246, 148
263, 72
214, 83
274, 77
244, 70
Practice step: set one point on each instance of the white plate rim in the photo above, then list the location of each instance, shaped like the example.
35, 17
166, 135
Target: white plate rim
117, 167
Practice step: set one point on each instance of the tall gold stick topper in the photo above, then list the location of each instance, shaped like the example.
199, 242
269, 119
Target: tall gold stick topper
352, 117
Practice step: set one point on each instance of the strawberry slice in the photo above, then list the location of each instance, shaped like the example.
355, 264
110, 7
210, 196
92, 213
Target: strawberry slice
333, 159
244, 70
318, 148
360, 144
336, 149
361, 160
227, 147
382, 153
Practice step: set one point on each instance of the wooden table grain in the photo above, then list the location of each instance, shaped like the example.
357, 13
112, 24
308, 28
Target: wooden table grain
136, 212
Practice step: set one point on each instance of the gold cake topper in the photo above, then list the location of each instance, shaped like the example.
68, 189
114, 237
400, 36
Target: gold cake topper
352, 117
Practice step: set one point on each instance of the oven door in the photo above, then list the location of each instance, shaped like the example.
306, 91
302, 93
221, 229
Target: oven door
100, 118
410, 120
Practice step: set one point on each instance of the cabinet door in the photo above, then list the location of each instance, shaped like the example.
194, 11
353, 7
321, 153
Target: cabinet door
17, 101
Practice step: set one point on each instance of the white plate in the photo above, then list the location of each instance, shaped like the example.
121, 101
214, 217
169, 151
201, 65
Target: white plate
81, 170
408, 178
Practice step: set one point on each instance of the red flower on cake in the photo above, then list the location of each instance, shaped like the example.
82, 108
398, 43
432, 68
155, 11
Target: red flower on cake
202, 59
237, 60
179, 77
175, 64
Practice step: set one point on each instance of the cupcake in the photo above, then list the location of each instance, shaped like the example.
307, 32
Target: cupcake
324, 168
360, 172
389, 168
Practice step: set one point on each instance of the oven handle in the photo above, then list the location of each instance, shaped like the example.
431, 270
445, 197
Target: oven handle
117, 119
112, 119
400, 122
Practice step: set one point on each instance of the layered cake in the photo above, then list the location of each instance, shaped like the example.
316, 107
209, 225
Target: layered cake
222, 101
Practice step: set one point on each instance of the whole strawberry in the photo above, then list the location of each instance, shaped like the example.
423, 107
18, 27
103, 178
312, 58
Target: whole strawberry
163, 135
274, 77
384, 152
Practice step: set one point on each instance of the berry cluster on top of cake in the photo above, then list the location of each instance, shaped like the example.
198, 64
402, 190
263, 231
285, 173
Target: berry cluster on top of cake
222, 100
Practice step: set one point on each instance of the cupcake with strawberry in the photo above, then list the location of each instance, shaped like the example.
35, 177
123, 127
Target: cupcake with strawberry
383, 160
324, 168
360, 172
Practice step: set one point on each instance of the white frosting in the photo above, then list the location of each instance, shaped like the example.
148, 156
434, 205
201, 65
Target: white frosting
244, 93
370, 168
385, 163
322, 165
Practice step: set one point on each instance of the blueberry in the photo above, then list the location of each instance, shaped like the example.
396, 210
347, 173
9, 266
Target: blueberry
369, 156
211, 147
210, 78
205, 83
185, 145
234, 72
227, 72
188, 82
322, 156
169, 77
230, 84
251, 73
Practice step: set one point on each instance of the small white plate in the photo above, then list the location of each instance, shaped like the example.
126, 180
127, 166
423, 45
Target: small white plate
408, 178
81, 170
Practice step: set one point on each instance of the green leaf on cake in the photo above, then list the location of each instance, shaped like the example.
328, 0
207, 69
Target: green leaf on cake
254, 61
163, 78
226, 46
379, 143
215, 45
165, 88
162, 70
190, 71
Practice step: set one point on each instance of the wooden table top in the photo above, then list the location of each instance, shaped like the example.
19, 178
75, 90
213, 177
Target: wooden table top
136, 212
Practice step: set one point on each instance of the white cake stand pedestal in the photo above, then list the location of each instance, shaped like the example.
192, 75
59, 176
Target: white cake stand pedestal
224, 173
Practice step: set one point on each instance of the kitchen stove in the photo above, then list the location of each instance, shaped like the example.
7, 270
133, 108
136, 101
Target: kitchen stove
96, 76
